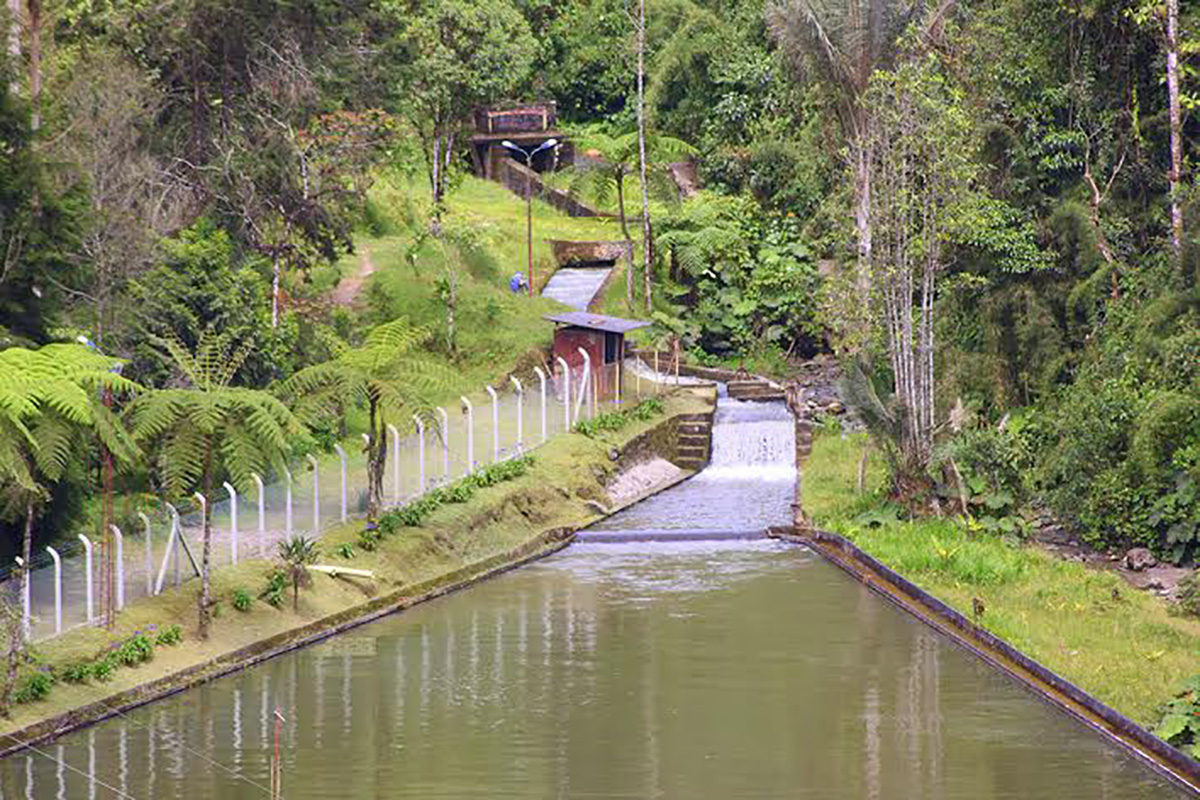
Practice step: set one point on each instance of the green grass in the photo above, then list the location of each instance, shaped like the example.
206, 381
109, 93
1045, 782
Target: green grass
1121, 645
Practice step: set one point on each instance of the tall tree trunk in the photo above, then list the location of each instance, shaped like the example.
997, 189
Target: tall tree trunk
647, 240
862, 224
376, 461
36, 23
1176, 125
275, 289
26, 554
206, 553
628, 239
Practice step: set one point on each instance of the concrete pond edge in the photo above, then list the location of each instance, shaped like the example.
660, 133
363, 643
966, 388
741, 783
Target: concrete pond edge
1170, 762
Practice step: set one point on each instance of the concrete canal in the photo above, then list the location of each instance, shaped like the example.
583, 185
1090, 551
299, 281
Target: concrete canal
637, 669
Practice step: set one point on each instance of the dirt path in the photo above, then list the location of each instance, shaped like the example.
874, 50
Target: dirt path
348, 289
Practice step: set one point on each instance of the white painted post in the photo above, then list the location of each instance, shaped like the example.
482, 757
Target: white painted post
542, 379
395, 432
316, 494
172, 550
26, 600
57, 589
495, 423
617, 377
342, 455
287, 514
445, 443
262, 513
520, 412
420, 451
87, 566
581, 402
149, 554
233, 526
120, 539
566, 370
470, 434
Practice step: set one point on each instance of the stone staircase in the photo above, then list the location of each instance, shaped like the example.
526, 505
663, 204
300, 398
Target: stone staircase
693, 441
754, 389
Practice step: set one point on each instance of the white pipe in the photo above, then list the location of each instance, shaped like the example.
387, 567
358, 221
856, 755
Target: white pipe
316, 494
566, 393
162, 572
342, 455
420, 451
445, 443
57, 589
520, 411
395, 432
233, 526
116, 532
542, 379
87, 566
495, 423
262, 513
149, 554
470, 434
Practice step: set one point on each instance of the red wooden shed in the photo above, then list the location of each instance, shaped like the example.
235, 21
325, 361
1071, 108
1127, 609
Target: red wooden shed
602, 337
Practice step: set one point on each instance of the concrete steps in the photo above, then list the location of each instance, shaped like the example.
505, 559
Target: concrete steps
755, 390
693, 441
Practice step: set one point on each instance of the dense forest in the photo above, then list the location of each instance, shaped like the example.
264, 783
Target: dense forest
986, 210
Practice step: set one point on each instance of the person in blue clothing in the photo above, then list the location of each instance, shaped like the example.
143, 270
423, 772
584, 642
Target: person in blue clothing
517, 283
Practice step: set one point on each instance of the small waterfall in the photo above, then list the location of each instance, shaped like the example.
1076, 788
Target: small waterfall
751, 442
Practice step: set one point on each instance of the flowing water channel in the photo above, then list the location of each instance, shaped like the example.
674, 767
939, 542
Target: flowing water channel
717, 669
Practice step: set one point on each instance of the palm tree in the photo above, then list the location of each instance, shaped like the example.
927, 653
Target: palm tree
209, 428
296, 554
388, 373
50, 401
841, 43
615, 157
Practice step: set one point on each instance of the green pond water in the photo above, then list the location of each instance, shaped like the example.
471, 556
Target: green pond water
640, 670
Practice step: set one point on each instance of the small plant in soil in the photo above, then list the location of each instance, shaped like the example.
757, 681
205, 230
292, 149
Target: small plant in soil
241, 600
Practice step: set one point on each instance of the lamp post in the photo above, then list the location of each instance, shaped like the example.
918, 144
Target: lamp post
528, 155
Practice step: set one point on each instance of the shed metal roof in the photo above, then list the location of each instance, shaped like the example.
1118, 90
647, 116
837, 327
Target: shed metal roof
598, 322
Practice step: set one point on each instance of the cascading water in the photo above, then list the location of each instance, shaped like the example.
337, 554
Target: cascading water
749, 483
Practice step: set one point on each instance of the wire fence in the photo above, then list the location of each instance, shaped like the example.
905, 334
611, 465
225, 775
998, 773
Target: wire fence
158, 547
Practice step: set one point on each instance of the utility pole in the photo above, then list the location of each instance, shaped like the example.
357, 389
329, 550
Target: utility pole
647, 241
527, 157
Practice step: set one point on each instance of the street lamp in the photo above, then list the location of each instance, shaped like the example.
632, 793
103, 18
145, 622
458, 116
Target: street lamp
528, 155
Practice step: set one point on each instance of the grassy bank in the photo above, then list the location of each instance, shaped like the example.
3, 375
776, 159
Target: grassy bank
1117, 643
497, 525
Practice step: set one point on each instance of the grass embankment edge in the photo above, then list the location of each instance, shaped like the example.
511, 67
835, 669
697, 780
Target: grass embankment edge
500, 528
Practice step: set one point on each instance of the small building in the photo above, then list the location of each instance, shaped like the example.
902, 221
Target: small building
602, 338
527, 125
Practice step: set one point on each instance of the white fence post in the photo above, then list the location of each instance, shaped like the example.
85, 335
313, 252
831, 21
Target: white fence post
26, 599
520, 412
495, 423
420, 451
470, 434
116, 532
342, 455
57, 589
542, 379
316, 494
445, 443
87, 566
287, 514
172, 550
233, 525
566, 370
262, 513
395, 433
584, 384
149, 554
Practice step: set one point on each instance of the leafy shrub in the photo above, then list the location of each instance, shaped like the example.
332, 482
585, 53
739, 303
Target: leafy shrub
172, 634
103, 669
345, 550
277, 583
616, 420
77, 672
134, 650
368, 540
415, 512
241, 600
1180, 724
34, 686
